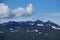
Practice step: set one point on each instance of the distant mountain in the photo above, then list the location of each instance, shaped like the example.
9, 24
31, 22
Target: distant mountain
29, 30
38, 23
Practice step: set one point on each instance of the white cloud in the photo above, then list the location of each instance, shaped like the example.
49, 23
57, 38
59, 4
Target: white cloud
6, 12
29, 8
19, 11
24, 11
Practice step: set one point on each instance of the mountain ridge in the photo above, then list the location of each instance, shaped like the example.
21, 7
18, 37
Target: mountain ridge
12, 24
29, 30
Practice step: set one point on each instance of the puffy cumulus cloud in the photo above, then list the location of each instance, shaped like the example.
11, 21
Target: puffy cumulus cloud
6, 12
24, 11
29, 8
19, 11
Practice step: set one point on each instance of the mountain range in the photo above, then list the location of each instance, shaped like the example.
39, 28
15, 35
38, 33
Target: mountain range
12, 24
29, 30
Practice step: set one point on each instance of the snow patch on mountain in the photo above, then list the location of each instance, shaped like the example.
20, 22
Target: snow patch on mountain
55, 27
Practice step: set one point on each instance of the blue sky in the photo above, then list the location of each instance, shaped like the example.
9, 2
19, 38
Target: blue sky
42, 9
